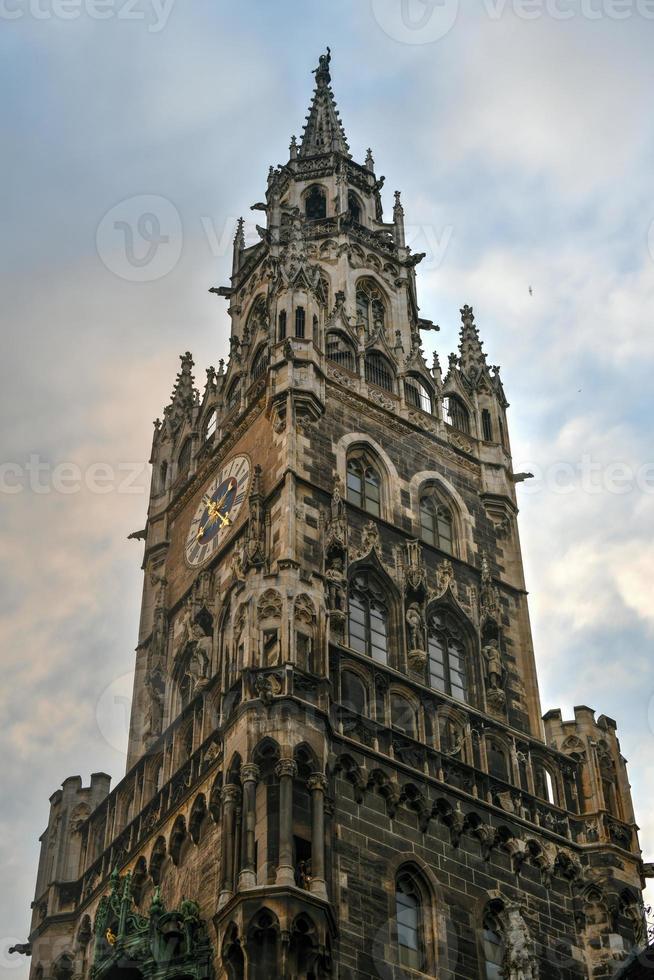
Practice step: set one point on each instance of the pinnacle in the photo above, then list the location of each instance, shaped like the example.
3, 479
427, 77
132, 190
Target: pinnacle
472, 358
323, 131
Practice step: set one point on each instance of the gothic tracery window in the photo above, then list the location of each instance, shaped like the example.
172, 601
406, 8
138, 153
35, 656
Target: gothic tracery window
403, 715
436, 524
210, 424
456, 414
234, 395
418, 395
340, 351
260, 363
315, 203
447, 656
379, 372
184, 458
364, 483
368, 617
354, 207
371, 311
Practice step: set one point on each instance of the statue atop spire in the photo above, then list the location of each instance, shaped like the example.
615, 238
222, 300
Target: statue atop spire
323, 132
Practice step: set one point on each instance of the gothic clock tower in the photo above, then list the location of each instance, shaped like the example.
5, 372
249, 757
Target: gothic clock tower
338, 765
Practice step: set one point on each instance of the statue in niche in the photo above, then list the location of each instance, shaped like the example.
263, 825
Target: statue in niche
494, 666
156, 687
416, 627
197, 668
335, 585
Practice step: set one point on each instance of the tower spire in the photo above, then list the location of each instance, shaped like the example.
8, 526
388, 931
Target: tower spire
323, 131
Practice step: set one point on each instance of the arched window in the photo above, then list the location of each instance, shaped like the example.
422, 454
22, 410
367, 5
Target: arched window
300, 322
456, 414
403, 715
493, 948
486, 425
447, 659
364, 483
371, 310
379, 372
497, 761
354, 207
234, 395
315, 203
260, 363
410, 922
210, 424
163, 476
354, 696
184, 458
257, 317
368, 618
436, 524
543, 786
281, 325
340, 351
418, 395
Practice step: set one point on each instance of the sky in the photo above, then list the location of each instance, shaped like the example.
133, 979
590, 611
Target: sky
135, 134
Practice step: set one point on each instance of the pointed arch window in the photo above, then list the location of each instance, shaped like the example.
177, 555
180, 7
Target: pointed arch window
371, 310
368, 617
486, 425
234, 395
403, 715
364, 483
315, 203
300, 322
210, 425
340, 351
498, 765
436, 524
493, 948
354, 695
456, 414
379, 372
418, 395
354, 207
260, 363
410, 914
257, 316
281, 325
447, 655
184, 458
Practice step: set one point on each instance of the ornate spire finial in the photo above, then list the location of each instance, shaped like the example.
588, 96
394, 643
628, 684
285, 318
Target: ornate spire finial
472, 358
370, 163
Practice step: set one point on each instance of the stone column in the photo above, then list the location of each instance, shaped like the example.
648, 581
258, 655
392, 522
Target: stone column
249, 778
317, 784
285, 770
230, 797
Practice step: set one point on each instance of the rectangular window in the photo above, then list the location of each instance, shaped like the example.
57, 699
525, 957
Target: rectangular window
300, 320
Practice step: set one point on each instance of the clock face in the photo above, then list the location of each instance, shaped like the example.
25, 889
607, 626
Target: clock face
218, 510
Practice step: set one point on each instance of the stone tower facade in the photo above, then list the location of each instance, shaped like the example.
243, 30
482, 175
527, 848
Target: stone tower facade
337, 762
